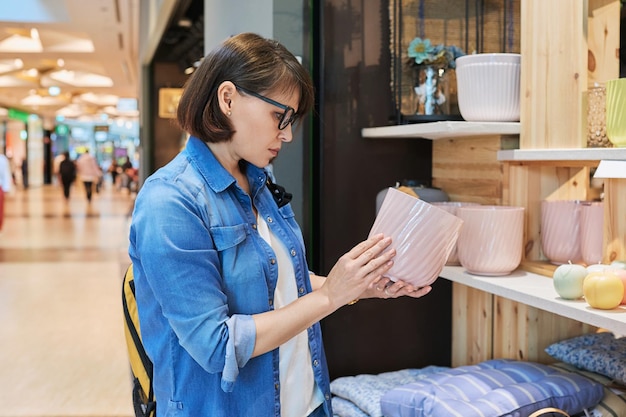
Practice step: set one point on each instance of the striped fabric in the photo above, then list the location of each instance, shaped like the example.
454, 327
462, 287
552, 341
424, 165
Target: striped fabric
613, 404
495, 388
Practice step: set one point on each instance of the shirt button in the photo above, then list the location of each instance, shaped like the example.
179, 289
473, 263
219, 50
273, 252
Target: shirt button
272, 261
277, 386
327, 396
254, 226
301, 290
271, 301
293, 252
315, 362
269, 219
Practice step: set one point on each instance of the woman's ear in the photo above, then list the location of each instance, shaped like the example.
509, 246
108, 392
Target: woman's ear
225, 93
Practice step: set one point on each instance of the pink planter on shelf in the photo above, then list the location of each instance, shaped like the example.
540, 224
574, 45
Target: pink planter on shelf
560, 231
591, 232
451, 207
491, 241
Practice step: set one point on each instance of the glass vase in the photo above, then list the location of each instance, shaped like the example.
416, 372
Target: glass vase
432, 90
596, 118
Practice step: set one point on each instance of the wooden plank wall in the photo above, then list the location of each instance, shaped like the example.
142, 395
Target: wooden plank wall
468, 169
614, 219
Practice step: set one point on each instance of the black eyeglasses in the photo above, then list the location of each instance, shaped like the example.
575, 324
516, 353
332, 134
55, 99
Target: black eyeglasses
289, 115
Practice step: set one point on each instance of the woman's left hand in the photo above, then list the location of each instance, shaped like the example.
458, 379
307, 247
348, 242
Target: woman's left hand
385, 288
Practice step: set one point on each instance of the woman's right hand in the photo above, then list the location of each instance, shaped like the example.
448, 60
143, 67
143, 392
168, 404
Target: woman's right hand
359, 269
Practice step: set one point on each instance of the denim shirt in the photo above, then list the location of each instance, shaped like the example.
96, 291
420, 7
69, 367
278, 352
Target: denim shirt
201, 270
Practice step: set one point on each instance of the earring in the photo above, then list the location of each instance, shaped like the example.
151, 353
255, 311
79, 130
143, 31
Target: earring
229, 113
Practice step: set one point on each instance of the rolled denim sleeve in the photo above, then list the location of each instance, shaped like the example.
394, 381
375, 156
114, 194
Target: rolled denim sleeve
239, 347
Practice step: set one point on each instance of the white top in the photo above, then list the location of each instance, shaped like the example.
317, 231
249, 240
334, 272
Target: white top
6, 178
299, 394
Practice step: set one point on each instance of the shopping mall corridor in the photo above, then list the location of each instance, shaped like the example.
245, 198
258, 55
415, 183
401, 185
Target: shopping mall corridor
62, 348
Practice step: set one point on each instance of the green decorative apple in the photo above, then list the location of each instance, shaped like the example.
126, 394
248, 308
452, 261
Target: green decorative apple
568, 280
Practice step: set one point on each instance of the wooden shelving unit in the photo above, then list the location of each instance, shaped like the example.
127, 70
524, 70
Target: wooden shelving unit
442, 130
537, 291
569, 155
518, 316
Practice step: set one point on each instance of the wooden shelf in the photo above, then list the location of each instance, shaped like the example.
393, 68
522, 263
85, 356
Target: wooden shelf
442, 130
584, 154
537, 291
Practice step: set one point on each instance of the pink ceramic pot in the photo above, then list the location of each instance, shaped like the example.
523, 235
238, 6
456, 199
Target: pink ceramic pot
451, 207
422, 234
491, 239
591, 232
560, 231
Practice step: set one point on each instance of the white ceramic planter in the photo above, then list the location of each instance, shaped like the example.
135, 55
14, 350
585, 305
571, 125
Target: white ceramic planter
488, 87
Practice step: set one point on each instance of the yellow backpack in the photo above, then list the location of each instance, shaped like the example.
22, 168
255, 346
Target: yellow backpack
141, 366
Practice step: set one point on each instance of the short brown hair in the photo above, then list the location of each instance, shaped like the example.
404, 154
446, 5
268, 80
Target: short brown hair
249, 61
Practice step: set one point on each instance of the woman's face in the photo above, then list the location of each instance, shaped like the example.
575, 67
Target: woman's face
257, 138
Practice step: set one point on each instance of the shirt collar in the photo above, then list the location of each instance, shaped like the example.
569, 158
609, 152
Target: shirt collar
216, 176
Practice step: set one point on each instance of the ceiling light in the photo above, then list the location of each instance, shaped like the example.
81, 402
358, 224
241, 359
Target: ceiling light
54, 90
60, 62
34, 33
81, 79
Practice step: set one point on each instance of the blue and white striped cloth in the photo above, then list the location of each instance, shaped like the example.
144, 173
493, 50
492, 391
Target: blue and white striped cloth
495, 388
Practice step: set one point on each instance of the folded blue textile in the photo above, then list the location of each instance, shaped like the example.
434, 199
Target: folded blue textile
495, 388
345, 408
365, 390
602, 353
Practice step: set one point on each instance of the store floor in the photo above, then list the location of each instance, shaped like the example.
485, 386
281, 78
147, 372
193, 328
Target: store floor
62, 347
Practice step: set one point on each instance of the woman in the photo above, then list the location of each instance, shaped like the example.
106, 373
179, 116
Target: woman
89, 172
228, 309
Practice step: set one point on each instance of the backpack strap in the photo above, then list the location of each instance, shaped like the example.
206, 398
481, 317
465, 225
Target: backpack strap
140, 363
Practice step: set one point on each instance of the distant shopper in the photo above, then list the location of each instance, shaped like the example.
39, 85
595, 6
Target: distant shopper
127, 168
114, 170
24, 168
88, 171
6, 183
67, 173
